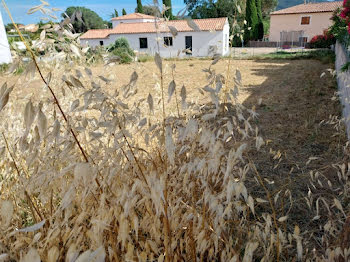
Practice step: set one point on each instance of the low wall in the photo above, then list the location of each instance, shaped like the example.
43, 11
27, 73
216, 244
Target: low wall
343, 79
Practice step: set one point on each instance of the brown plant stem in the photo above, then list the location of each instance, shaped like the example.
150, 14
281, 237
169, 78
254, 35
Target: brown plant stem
31, 203
274, 216
51, 91
177, 103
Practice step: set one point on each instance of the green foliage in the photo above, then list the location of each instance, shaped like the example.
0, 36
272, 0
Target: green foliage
252, 21
325, 56
114, 14
139, 8
322, 41
267, 6
339, 27
220, 8
145, 58
260, 28
169, 12
150, 10
266, 22
123, 12
84, 19
122, 49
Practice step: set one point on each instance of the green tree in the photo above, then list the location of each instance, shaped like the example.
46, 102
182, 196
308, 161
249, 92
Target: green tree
260, 27
169, 12
139, 8
122, 49
251, 16
267, 6
124, 12
233, 9
150, 10
83, 19
114, 14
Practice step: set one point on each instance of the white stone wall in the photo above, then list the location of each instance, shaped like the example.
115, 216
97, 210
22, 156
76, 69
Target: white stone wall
5, 54
201, 41
343, 79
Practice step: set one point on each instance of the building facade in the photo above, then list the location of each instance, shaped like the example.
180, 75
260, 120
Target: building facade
5, 54
150, 35
306, 20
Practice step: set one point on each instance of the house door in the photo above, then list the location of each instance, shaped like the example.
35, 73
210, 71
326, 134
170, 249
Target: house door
188, 44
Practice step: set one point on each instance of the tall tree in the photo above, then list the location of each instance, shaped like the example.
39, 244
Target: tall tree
139, 8
233, 9
169, 12
251, 16
83, 19
123, 12
267, 6
150, 10
260, 27
115, 13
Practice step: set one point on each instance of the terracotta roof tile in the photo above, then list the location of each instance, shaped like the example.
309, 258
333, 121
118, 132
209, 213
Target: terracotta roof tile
97, 33
133, 16
211, 24
310, 8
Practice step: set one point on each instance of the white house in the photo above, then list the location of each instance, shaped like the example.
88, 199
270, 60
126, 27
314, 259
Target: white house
141, 32
5, 54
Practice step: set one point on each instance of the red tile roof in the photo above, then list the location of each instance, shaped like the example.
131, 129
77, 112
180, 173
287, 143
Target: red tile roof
133, 16
310, 8
211, 24
97, 33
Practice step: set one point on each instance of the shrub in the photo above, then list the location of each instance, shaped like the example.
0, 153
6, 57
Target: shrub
122, 49
322, 41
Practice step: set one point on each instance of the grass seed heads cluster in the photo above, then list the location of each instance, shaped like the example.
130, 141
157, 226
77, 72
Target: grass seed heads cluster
87, 174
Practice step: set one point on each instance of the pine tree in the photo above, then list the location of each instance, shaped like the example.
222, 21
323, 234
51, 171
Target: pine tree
116, 13
124, 12
260, 28
252, 21
139, 8
168, 13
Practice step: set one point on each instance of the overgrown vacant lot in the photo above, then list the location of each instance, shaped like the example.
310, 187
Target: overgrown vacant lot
260, 180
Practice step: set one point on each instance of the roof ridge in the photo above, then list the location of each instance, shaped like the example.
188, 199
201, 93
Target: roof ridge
319, 7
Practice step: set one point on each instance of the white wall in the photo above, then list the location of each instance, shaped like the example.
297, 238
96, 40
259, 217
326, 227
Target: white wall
200, 42
5, 54
126, 21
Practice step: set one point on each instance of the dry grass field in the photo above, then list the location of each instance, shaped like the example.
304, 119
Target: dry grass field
208, 190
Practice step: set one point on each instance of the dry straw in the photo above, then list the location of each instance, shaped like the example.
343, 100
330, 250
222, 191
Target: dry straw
108, 180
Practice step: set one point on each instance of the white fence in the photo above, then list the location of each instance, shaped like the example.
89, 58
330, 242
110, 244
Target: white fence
343, 79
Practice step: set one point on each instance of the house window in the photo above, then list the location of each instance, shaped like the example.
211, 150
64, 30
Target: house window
168, 41
305, 20
101, 43
143, 43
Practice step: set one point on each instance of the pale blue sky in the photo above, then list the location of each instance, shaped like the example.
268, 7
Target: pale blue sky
103, 8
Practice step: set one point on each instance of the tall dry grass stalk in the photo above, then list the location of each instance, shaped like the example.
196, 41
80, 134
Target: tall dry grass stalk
105, 183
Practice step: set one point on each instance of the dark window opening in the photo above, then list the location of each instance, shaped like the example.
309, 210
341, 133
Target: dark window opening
101, 43
305, 20
188, 45
168, 41
143, 43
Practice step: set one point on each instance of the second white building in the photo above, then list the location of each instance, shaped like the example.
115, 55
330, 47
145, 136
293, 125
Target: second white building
142, 33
